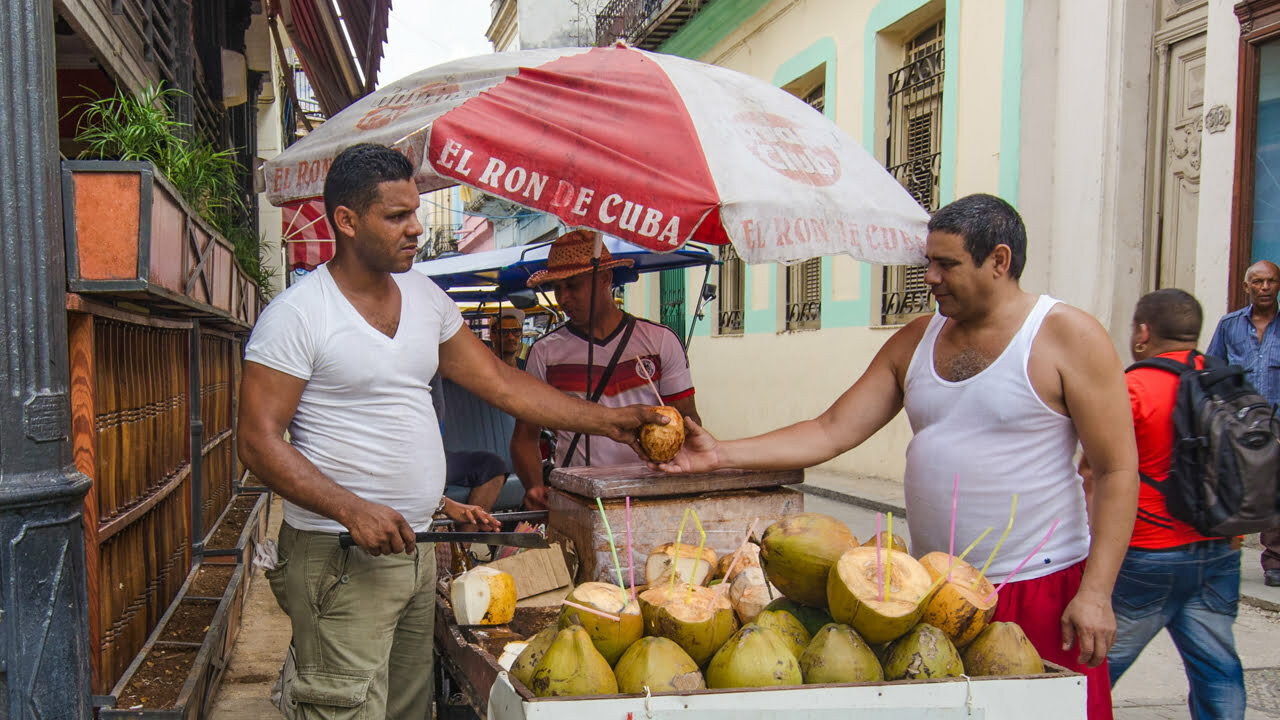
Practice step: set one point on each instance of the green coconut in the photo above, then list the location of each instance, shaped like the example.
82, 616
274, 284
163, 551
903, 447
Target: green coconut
658, 664
797, 553
754, 657
838, 654
527, 661
573, 666
611, 637
854, 593
788, 627
924, 652
812, 618
1002, 649
698, 619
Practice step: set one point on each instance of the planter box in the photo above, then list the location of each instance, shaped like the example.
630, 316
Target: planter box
253, 532
128, 233
200, 665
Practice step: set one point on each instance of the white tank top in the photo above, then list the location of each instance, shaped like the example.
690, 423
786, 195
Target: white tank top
996, 432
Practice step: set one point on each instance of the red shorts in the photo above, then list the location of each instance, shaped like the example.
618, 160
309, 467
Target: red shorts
1037, 606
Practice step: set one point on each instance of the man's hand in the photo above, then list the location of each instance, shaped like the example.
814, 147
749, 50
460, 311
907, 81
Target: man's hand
379, 529
474, 515
1089, 621
535, 498
701, 452
621, 424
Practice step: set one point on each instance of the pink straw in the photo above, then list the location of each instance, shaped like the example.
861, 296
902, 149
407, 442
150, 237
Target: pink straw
643, 371
1024, 562
879, 565
591, 610
631, 558
951, 544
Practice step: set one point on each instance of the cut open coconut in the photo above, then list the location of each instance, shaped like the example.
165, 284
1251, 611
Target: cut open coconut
853, 593
483, 596
697, 619
686, 563
611, 637
959, 607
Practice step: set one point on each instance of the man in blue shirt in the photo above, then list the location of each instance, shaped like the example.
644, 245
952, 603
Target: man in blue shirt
1248, 338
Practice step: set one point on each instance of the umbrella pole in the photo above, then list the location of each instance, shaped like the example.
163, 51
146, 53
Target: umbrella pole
591, 339
697, 309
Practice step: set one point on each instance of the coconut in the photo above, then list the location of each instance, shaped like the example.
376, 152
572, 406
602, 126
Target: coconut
788, 627
697, 619
1002, 649
797, 553
687, 564
853, 591
924, 652
573, 666
659, 665
886, 540
748, 557
662, 442
811, 617
483, 596
527, 661
750, 593
611, 637
754, 657
959, 607
838, 654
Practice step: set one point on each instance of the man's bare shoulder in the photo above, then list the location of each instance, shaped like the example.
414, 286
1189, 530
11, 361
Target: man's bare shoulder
1070, 325
899, 349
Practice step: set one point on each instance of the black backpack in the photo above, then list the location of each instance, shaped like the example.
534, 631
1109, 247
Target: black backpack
1226, 450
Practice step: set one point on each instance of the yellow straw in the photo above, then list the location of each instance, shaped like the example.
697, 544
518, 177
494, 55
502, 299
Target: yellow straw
614, 548
701, 543
999, 542
954, 560
888, 556
676, 557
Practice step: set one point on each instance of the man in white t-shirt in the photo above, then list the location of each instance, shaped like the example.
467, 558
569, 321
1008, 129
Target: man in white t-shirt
643, 349
343, 361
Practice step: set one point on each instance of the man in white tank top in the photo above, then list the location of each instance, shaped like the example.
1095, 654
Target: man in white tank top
999, 386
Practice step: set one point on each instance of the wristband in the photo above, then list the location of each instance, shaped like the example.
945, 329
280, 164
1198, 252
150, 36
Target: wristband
440, 507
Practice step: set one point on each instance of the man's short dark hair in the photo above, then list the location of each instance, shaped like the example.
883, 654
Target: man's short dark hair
985, 222
356, 173
1170, 314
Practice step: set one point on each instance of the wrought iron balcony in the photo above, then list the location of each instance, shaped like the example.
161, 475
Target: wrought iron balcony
644, 24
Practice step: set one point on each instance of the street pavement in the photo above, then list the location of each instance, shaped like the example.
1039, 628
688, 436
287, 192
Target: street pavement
1154, 688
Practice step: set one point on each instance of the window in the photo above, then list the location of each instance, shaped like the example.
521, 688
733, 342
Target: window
1255, 217
733, 275
671, 297
913, 156
804, 295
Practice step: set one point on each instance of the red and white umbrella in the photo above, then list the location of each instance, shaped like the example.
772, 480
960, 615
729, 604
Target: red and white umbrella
654, 149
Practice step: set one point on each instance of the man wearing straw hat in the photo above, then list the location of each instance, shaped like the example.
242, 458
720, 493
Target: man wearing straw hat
628, 360
343, 362
1000, 387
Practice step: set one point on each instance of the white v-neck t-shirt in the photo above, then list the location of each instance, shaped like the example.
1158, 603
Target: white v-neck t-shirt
365, 418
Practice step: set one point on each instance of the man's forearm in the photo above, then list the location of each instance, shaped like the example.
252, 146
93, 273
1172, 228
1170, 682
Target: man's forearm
537, 403
527, 462
286, 471
1114, 507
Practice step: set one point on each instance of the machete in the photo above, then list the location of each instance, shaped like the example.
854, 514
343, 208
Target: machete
513, 539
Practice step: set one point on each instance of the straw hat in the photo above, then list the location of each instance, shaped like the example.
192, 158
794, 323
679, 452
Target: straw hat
570, 255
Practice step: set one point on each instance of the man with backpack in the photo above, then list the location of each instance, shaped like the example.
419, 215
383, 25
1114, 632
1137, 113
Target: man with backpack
1247, 337
1174, 576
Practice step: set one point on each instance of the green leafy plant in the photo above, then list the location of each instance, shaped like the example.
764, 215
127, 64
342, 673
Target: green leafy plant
140, 127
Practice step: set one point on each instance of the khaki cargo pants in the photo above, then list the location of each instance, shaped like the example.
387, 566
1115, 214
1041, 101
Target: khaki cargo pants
362, 627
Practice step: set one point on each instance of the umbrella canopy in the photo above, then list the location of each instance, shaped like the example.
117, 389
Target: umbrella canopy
509, 268
654, 149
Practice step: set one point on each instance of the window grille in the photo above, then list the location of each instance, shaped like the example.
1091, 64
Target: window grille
804, 295
671, 297
732, 291
913, 156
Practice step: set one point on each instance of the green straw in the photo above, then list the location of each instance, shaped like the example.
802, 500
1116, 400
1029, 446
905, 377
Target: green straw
701, 543
614, 548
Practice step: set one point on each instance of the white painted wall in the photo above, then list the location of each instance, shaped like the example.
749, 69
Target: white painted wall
270, 144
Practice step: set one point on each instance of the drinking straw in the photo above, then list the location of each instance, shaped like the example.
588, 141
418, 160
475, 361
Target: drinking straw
643, 371
591, 610
951, 543
617, 566
888, 553
999, 542
1024, 562
737, 554
631, 558
879, 565
676, 557
692, 573
954, 560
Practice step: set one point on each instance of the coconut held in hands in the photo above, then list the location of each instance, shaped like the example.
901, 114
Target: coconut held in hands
662, 442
